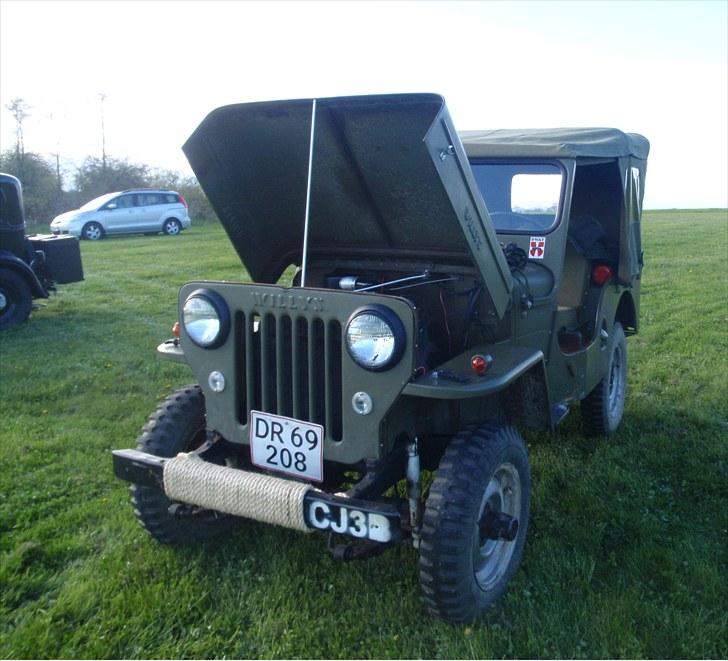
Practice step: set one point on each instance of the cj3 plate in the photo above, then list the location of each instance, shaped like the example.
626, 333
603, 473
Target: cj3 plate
348, 520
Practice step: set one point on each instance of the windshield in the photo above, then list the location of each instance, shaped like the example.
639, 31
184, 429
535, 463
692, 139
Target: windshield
97, 202
521, 197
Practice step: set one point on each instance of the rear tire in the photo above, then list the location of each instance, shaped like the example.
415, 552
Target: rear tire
171, 227
16, 299
602, 408
178, 425
92, 231
463, 570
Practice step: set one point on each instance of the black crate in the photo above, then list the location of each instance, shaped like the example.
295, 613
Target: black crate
62, 256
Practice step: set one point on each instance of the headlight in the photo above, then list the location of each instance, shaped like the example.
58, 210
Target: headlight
206, 318
375, 338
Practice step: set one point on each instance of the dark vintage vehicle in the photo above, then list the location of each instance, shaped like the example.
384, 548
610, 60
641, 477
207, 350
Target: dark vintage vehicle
30, 266
449, 290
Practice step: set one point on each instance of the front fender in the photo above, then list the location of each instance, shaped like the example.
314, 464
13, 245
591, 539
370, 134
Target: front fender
517, 377
10, 261
455, 378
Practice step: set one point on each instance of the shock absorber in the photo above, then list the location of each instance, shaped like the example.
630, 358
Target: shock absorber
414, 490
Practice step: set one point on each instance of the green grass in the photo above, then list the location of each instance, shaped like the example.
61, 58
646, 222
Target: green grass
628, 545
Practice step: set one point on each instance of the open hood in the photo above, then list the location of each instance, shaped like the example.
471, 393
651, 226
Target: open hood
389, 179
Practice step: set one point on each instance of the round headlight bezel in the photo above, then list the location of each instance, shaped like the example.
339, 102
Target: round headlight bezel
395, 324
223, 314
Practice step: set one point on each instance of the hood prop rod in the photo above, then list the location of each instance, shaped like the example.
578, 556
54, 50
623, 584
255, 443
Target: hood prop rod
308, 197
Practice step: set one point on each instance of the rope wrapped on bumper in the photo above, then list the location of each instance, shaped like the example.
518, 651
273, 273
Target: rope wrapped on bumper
191, 480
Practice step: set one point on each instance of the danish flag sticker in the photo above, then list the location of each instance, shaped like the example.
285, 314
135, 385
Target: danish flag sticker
537, 247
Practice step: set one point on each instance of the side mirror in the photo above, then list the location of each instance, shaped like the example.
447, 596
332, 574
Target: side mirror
111, 206
11, 202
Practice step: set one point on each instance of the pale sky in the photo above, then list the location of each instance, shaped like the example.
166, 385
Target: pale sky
656, 68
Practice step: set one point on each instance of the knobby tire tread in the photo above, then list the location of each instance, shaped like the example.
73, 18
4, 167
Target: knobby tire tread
452, 507
170, 430
594, 414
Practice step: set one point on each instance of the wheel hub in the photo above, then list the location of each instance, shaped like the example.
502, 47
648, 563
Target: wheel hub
616, 381
497, 526
3, 301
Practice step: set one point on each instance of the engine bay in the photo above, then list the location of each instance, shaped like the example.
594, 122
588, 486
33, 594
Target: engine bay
452, 312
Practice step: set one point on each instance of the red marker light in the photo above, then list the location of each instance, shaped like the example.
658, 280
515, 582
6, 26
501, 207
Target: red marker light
175, 329
480, 363
601, 274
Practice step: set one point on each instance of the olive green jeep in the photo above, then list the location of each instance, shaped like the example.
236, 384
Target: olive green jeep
447, 290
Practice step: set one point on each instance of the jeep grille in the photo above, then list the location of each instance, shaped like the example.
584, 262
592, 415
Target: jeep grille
290, 365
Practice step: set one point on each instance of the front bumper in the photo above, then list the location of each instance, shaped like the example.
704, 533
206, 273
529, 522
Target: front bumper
70, 231
228, 490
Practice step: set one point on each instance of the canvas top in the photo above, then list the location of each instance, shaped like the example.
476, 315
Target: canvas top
554, 143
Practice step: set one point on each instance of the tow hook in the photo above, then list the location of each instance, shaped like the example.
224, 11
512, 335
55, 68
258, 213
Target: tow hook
350, 551
414, 490
185, 511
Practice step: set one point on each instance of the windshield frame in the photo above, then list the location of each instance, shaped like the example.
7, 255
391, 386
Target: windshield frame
527, 161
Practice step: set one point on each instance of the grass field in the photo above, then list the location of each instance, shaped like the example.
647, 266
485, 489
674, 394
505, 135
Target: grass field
627, 554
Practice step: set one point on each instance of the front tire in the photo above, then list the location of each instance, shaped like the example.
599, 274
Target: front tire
92, 231
178, 425
171, 227
602, 408
16, 299
465, 565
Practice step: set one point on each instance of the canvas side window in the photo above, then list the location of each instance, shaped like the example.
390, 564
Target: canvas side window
520, 197
634, 210
536, 194
636, 259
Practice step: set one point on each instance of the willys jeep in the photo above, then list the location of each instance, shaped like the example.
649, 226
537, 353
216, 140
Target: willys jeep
30, 266
445, 291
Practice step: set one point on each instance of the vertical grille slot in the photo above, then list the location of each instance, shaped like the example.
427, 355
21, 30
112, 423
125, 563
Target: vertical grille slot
268, 362
300, 369
241, 353
252, 366
333, 380
284, 371
316, 374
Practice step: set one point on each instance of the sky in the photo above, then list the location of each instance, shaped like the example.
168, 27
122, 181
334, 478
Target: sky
656, 68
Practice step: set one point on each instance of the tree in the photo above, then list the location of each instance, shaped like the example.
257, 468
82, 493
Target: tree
95, 177
161, 178
189, 188
102, 98
20, 109
41, 197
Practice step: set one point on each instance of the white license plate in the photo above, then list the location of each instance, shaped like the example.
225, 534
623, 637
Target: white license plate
287, 445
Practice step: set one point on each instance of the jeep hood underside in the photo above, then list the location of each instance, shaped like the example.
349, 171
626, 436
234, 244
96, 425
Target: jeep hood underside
390, 180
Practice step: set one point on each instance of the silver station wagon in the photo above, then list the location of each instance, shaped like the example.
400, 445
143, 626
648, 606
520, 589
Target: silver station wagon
126, 212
